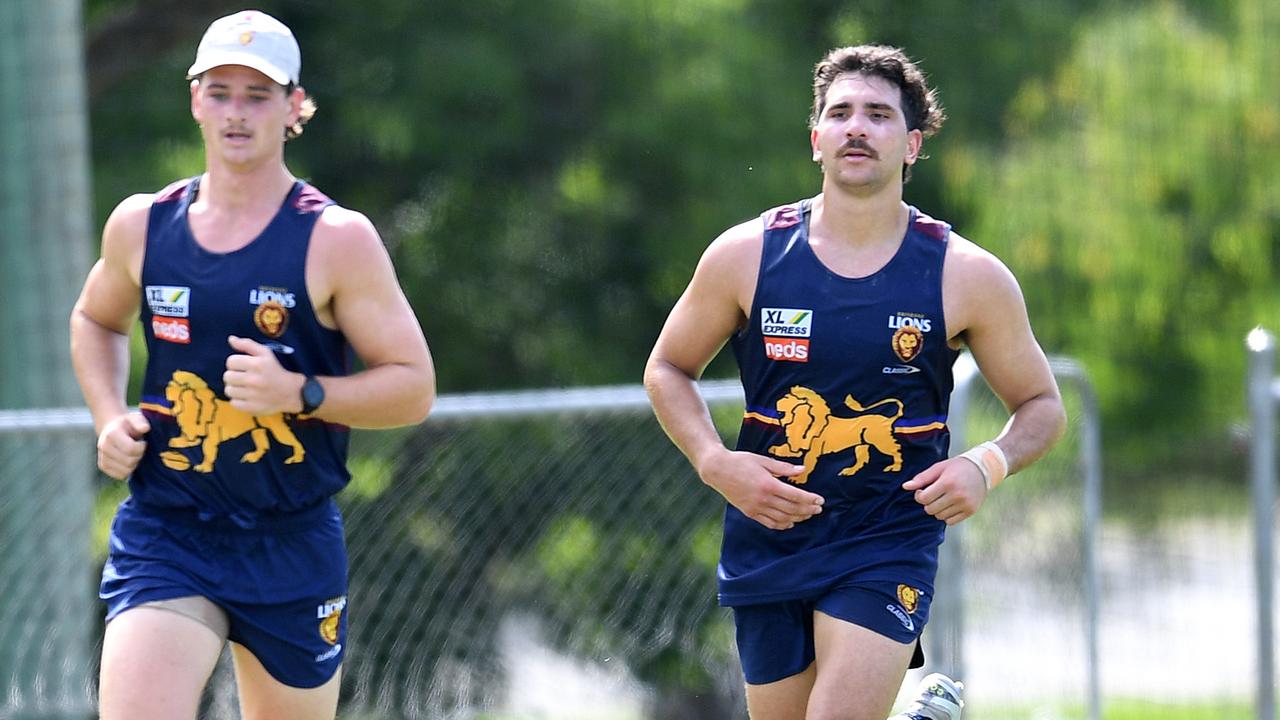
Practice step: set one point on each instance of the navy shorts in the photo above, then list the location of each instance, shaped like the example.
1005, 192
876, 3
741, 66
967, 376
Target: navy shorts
775, 640
282, 583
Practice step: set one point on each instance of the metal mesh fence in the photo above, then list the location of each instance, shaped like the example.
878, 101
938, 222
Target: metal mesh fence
582, 531
46, 575
551, 555
1020, 568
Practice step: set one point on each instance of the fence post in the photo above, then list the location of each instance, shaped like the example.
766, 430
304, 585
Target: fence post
1091, 460
1262, 390
946, 644
46, 622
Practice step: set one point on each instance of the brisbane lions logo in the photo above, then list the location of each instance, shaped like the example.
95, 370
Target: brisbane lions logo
908, 598
907, 342
271, 318
207, 421
813, 431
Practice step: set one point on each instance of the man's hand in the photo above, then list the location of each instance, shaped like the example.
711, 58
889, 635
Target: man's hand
950, 490
256, 383
121, 444
751, 483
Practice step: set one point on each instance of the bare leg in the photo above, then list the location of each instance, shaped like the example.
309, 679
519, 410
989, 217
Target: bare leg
262, 697
859, 671
785, 699
155, 664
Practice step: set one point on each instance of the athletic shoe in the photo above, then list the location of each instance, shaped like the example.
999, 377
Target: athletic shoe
939, 699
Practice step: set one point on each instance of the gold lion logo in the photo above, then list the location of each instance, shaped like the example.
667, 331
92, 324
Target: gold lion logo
907, 343
329, 627
812, 431
909, 598
208, 421
271, 318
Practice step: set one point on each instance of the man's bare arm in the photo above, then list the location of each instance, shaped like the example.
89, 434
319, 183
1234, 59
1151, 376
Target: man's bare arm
356, 286
710, 310
985, 308
100, 321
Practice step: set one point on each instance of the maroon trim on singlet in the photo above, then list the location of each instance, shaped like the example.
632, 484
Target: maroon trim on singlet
935, 229
783, 217
311, 200
172, 191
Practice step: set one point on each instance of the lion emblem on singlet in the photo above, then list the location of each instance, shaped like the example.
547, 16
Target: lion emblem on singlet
207, 421
907, 343
271, 318
813, 431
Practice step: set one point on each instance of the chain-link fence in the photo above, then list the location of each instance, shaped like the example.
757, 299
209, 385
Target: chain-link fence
551, 555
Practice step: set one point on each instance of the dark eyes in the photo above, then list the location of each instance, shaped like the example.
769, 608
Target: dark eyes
223, 97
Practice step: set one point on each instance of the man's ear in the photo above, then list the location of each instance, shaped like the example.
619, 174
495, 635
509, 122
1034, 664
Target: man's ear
915, 142
195, 101
296, 97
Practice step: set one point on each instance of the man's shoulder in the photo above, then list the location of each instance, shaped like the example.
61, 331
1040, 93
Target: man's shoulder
344, 234
132, 212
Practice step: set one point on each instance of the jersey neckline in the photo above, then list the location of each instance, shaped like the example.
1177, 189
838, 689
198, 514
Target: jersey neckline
193, 190
806, 214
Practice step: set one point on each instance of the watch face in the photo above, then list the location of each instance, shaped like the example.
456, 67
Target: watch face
312, 393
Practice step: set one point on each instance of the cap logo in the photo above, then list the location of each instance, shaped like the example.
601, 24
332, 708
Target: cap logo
246, 37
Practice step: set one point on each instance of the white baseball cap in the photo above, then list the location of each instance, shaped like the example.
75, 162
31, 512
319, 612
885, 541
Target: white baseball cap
253, 39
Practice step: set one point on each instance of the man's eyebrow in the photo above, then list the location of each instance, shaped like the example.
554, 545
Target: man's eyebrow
227, 86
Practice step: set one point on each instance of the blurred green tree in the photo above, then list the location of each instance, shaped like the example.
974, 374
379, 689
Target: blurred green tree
1137, 200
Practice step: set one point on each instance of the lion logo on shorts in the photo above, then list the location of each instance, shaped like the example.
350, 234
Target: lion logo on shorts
208, 421
330, 615
909, 598
813, 431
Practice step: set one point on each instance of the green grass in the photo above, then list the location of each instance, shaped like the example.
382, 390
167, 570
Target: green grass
1147, 710
1121, 709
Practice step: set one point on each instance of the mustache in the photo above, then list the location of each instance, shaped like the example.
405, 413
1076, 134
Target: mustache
859, 144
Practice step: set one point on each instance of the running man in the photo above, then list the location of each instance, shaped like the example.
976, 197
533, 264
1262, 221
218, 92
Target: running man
253, 289
845, 312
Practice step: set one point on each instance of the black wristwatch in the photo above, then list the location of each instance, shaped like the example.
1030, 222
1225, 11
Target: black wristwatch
312, 395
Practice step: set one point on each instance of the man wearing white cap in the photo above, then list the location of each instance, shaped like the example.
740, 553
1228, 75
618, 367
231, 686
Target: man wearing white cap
252, 288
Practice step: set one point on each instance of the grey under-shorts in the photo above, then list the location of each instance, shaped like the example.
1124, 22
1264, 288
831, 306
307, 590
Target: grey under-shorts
198, 608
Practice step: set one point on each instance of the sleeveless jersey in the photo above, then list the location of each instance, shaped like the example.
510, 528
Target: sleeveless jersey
204, 456
851, 378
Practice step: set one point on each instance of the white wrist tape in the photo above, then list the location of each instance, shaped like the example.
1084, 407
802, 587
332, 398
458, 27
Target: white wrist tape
990, 460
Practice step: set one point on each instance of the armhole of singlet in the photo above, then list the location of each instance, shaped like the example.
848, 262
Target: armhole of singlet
755, 292
942, 293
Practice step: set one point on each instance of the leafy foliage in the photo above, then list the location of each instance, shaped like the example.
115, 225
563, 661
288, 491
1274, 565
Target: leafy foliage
1136, 203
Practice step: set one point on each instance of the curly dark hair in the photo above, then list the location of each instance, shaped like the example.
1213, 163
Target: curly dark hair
920, 102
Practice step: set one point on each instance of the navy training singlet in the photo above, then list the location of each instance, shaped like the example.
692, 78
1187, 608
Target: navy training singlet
850, 377
203, 454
